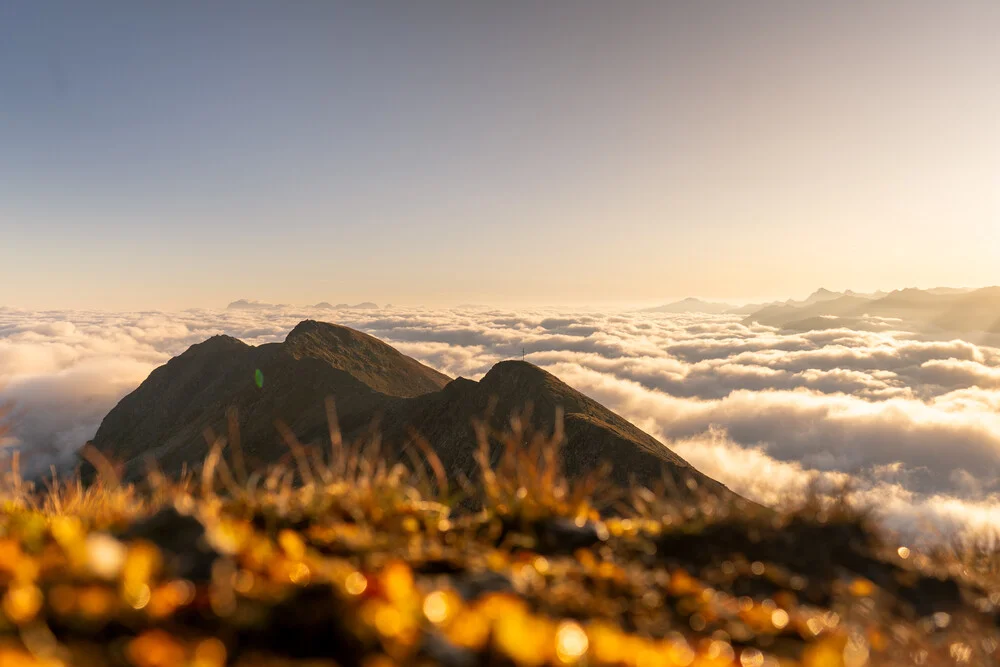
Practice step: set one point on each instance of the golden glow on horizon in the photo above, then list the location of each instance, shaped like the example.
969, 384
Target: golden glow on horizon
587, 157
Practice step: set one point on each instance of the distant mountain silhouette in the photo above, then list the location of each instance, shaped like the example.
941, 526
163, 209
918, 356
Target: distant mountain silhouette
781, 315
691, 305
750, 308
249, 304
978, 310
769, 308
820, 295
166, 416
365, 305
940, 309
951, 290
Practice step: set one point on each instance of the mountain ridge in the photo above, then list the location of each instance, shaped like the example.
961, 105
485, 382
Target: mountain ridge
692, 305
377, 364
940, 309
372, 383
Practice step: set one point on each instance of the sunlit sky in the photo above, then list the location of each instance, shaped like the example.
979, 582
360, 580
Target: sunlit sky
189, 153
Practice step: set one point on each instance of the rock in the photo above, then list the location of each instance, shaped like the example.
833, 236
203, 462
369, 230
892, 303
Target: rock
473, 585
181, 540
563, 536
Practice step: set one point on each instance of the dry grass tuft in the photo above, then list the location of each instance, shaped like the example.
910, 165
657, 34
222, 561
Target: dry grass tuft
337, 557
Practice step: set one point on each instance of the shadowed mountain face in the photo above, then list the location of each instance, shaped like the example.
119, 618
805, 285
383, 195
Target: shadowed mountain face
594, 434
379, 366
166, 417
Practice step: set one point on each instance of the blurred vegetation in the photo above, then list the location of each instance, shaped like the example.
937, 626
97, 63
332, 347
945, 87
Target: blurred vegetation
337, 558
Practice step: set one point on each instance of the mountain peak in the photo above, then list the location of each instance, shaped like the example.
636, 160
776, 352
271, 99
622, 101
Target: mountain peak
217, 343
253, 304
166, 416
691, 304
823, 294
524, 383
221, 339
515, 372
310, 326
460, 384
332, 337
377, 364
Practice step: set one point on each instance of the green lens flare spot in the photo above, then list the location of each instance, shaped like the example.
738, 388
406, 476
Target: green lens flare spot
258, 379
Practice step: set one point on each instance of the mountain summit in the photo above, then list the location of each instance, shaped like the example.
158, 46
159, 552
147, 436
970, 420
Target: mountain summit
594, 434
378, 365
166, 417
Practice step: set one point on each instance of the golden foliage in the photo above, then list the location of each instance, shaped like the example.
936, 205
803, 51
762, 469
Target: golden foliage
345, 556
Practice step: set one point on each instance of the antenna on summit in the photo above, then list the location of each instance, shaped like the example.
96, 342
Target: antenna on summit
522, 354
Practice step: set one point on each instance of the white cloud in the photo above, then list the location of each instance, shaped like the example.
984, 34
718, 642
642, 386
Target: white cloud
915, 423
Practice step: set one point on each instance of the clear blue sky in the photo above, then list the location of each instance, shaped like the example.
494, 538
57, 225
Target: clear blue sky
187, 153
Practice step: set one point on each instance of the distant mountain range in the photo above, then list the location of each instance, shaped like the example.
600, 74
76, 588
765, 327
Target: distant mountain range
940, 310
248, 304
371, 382
944, 309
695, 305
364, 305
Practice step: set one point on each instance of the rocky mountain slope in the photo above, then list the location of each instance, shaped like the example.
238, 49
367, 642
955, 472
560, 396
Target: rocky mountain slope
165, 419
366, 358
594, 434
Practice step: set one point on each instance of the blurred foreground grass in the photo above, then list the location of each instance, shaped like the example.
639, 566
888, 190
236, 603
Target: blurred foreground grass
339, 559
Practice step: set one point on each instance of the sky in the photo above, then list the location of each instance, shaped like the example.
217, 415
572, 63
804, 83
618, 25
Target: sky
182, 154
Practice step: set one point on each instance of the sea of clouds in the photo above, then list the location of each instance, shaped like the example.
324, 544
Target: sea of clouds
912, 423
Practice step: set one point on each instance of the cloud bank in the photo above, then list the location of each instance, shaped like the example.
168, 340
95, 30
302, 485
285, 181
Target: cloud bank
913, 423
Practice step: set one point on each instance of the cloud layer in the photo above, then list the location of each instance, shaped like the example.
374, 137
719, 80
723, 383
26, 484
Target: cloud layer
913, 423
